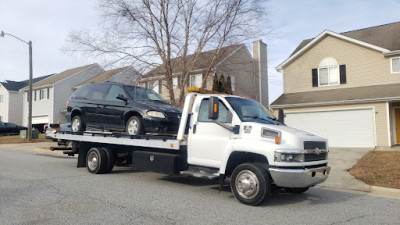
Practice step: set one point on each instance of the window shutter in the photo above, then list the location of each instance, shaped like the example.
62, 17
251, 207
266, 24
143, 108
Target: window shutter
315, 77
342, 69
48, 93
159, 86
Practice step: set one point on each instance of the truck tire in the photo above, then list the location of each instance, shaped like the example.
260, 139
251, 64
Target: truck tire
250, 183
134, 126
296, 190
77, 124
110, 160
96, 160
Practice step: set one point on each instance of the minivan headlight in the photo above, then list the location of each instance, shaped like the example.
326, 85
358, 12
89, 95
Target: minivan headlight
155, 114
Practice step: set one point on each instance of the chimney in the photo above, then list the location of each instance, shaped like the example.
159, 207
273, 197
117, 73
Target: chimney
260, 57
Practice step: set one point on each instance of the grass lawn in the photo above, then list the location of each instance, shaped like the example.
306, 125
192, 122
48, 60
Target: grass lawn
379, 168
17, 139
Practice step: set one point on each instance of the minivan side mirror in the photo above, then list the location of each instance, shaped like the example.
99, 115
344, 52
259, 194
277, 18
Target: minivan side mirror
122, 97
213, 108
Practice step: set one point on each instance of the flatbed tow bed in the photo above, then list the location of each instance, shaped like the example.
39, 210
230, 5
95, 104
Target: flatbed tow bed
216, 139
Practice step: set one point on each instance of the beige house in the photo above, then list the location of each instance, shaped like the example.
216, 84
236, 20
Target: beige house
248, 73
346, 87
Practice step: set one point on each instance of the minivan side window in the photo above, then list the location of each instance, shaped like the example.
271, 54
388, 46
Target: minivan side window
224, 115
96, 91
114, 91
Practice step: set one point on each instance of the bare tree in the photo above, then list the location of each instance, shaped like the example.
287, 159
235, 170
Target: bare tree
147, 33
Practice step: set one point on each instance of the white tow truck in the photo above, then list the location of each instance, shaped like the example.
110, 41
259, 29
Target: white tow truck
220, 136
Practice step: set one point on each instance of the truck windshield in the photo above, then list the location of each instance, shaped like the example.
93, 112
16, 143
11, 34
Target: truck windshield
251, 111
143, 94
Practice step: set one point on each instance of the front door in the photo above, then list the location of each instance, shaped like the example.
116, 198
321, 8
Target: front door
112, 110
208, 140
397, 124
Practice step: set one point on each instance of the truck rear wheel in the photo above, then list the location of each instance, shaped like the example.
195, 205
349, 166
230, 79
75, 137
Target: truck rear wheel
96, 160
110, 160
250, 183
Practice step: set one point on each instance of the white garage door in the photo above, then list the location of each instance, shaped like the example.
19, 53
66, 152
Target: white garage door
345, 128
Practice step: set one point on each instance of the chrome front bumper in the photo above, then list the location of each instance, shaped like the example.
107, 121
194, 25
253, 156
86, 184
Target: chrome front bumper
299, 178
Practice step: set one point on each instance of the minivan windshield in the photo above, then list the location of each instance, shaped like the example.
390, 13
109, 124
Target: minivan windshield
250, 111
143, 94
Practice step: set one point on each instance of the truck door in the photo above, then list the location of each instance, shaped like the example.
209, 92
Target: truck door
207, 140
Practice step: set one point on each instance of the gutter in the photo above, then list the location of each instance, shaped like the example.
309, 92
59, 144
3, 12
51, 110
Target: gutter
357, 101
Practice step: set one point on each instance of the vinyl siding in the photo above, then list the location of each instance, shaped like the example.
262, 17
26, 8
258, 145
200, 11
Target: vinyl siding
364, 66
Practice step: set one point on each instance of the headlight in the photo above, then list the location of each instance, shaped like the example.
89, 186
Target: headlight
273, 134
155, 114
288, 157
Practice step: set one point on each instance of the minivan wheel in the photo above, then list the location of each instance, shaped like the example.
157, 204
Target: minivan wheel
77, 124
134, 126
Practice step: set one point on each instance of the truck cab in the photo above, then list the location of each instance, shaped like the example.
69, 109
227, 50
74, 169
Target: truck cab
242, 140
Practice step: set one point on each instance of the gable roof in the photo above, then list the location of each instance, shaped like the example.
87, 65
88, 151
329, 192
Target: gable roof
114, 75
384, 38
203, 61
53, 79
17, 85
339, 96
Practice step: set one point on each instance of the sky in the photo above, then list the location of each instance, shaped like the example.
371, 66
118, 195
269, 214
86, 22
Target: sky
47, 24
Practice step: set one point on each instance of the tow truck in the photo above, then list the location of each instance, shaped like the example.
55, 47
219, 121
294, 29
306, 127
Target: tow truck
219, 137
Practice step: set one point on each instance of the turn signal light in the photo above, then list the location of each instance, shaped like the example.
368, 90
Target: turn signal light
277, 140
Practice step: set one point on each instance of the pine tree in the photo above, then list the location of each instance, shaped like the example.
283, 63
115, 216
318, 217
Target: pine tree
215, 83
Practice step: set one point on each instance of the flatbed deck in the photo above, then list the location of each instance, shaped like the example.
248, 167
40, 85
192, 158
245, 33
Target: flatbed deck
149, 141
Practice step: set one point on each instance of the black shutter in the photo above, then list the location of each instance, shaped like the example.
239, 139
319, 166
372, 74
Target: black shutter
342, 69
315, 77
159, 86
48, 93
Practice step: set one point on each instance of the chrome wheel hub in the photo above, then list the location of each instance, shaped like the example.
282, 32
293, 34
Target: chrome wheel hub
133, 127
247, 184
93, 160
75, 125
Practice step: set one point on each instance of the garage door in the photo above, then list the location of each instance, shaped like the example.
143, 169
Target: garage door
345, 128
40, 119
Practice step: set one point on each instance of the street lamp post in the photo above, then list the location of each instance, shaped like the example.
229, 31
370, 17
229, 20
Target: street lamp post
2, 34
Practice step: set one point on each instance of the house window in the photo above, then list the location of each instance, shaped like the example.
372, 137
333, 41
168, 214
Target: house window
232, 83
43, 94
175, 82
395, 64
328, 72
1, 98
195, 80
155, 86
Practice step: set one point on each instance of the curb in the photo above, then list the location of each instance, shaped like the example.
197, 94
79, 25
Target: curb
389, 192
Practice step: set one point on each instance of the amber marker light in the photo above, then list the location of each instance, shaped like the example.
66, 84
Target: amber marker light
277, 140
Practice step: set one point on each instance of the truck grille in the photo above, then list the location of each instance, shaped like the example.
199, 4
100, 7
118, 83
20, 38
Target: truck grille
314, 157
314, 145
314, 148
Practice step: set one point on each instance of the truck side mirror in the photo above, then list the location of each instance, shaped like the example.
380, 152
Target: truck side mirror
281, 116
213, 108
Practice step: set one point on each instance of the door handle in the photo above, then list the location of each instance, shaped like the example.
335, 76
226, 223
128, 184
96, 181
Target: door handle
194, 128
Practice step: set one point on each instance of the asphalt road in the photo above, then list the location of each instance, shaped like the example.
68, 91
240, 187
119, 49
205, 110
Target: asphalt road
37, 188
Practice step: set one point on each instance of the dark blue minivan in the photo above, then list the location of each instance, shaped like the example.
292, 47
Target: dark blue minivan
118, 107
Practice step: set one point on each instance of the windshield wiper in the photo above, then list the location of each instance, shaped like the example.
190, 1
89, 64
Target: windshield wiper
260, 118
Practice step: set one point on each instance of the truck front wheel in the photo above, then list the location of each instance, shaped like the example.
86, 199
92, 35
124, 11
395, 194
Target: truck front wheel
96, 160
250, 183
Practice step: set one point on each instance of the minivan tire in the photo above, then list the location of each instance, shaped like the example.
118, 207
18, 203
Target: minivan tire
77, 124
134, 126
